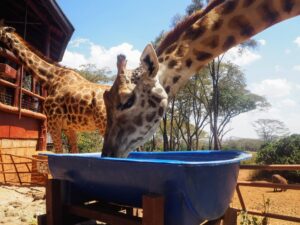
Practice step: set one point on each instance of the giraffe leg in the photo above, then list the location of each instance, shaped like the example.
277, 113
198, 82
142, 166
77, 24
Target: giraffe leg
72, 139
55, 132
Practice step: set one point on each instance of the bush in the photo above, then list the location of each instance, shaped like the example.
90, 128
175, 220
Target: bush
89, 142
283, 151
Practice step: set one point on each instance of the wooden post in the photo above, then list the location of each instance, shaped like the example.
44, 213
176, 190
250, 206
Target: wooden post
153, 210
230, 217
54, 204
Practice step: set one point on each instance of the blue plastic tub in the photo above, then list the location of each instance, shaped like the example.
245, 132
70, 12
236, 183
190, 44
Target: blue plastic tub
197, 186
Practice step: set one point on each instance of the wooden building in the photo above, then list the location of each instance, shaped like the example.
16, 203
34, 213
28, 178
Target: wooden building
22, 122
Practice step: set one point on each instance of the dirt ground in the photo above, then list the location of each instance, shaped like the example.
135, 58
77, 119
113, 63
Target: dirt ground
20, 205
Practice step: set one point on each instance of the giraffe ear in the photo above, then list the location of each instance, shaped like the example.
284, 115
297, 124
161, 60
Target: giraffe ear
9, 29
149, 60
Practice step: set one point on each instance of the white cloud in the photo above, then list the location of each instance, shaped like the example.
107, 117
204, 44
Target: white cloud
73, 59
241, 58
297, 41
262, 42
297, 68
79, 41
288, 103
273, 88
100, 56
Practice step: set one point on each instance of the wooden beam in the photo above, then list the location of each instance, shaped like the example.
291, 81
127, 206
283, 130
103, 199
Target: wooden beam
25, 112
103, 215
230, 217
153, 210
54, 204
268, 185
274, 216
271, 167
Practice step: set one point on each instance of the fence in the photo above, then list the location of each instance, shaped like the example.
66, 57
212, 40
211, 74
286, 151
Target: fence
269, 185
21, 170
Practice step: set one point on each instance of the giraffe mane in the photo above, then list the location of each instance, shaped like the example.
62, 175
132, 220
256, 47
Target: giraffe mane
37, 52
173, 35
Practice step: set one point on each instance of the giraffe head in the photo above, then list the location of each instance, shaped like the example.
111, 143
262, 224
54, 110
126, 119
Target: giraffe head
134, 108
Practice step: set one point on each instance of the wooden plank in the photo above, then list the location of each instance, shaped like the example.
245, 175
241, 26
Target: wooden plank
268, 185
153, 210
274, 216
25, 112
230, 217
16, 170
103, 215
238, 191
54, 202
7, 83
271, 167
25, 91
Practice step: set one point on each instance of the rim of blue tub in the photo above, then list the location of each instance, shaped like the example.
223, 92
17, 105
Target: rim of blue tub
236, 158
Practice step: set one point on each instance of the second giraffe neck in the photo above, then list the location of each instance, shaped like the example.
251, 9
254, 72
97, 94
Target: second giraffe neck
226, 25
32, 61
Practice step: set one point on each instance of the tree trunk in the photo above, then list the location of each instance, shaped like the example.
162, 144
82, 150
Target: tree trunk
165, 134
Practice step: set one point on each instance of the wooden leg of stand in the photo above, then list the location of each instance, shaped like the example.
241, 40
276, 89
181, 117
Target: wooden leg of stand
153, 210
54, 202
230, 217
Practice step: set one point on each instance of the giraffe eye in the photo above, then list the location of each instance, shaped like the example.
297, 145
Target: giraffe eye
127, 104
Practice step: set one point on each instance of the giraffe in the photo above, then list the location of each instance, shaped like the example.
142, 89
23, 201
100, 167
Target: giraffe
139, 88
73, 103
184, 51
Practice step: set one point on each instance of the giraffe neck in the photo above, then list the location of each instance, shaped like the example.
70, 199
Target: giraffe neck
227, 24
31, 60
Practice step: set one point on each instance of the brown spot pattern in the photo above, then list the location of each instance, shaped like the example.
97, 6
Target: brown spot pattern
188, 62
267, 13
150, 117
212, 41
172, 63
242, 24
229, 42
229, 7
217, 25
202, 55
194, 33
287, 5
175, 79
247, 3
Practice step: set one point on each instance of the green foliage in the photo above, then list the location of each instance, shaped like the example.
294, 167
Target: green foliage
253, 220
283, 151
95, 75
245, 144
89, 142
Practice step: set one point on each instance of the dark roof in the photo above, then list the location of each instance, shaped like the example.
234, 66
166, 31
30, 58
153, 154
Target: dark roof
45, 22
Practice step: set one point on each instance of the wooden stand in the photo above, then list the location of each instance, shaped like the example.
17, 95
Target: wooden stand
62, 213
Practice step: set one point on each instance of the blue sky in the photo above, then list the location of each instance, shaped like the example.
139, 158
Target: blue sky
104, 29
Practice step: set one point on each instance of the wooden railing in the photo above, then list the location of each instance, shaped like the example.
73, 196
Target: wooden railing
268, 185
21, 170
14, 98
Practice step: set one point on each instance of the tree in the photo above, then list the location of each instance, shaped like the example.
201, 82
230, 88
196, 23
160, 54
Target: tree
270, 129
95, 75
226, 96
